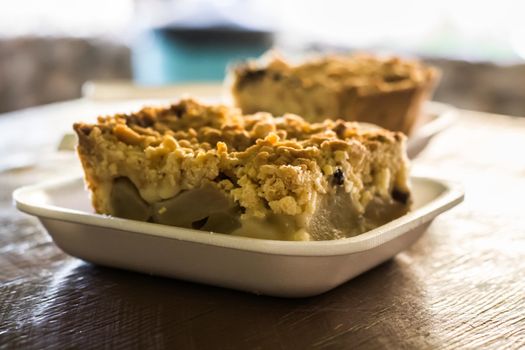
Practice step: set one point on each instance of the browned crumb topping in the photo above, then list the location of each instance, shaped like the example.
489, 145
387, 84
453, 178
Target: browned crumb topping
367, 73
265, 164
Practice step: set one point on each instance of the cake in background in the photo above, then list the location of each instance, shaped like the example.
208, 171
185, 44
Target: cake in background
386, 91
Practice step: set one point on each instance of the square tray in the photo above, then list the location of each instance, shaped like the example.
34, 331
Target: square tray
278, 268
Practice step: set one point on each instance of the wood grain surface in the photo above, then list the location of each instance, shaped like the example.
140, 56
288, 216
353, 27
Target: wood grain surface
462, 286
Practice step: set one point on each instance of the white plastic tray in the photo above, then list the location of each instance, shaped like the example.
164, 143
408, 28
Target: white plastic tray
279, 268
436, 118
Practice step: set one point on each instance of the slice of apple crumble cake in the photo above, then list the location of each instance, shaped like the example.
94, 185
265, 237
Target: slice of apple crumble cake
208, 167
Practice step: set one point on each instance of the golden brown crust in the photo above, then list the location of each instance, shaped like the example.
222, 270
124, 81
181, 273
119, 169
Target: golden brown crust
265, 164
385, 91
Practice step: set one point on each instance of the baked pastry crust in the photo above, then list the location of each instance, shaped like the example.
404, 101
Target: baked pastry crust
388, 92
282, 169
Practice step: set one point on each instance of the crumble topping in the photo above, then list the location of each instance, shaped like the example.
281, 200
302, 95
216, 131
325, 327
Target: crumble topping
367, 73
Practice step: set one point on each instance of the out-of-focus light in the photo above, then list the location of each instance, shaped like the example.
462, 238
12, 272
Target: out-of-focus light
64, 17
517, 34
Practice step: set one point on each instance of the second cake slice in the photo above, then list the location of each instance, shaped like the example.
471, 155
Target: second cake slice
388, 92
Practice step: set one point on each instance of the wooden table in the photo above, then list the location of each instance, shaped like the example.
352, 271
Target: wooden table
461, 286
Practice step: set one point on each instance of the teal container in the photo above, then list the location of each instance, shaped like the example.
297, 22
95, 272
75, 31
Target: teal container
167, 56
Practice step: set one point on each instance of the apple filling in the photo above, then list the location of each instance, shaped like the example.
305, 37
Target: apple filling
209, 209
205, 208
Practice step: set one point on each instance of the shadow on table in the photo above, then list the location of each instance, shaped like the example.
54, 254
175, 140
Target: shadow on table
98, 306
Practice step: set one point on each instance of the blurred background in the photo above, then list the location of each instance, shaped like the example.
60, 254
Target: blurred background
49, 49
